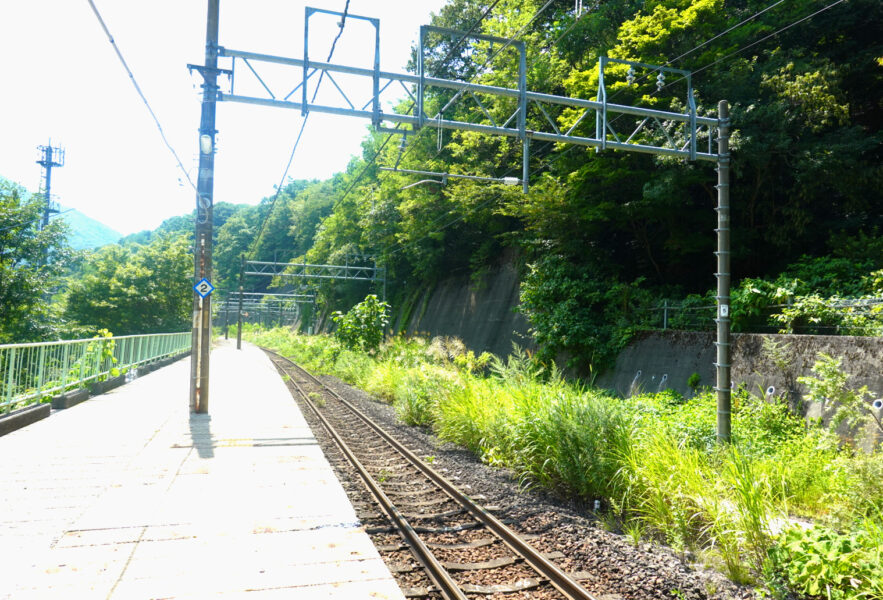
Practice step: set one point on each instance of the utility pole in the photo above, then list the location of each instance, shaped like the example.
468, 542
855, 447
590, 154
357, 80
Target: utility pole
49, 157
722, 365
239, 317
202, 309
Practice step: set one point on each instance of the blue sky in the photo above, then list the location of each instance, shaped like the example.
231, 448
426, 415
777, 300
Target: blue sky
62, 81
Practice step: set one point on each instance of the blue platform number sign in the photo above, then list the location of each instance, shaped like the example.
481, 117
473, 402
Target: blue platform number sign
204, 288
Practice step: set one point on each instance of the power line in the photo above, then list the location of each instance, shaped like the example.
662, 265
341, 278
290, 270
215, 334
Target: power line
723, 33
342, 23
746, 47
303, 125
763, 39
140, 93
728, 56
731, 54
31, 222
450, 53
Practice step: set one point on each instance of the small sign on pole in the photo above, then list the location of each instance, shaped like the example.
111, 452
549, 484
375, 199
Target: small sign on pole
204, 288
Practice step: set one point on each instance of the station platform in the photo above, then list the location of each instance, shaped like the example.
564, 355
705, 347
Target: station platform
129, 496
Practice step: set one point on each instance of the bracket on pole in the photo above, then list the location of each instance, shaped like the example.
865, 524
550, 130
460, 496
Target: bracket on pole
604, 126
520, 114
309, 12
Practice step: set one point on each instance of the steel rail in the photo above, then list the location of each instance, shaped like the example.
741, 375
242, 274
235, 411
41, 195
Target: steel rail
558, 578
439, 575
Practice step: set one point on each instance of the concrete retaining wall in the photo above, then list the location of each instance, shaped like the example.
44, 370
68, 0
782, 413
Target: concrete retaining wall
482, 314
678, 354
666, 359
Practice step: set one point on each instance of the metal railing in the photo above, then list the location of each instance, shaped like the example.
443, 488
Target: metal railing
677, 315
31, 372
694, 317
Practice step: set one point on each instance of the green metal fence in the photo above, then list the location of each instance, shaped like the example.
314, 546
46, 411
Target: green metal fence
31, 372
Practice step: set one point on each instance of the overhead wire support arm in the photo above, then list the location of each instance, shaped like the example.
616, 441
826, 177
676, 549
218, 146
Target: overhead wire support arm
375, 72
550, 134
504, 180
311, 271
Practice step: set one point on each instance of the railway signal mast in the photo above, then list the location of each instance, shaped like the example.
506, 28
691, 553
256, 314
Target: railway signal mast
682, 135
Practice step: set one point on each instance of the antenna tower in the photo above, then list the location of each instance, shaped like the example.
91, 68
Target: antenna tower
49, 157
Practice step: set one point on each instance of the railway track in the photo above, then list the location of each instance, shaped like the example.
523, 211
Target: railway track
439, 542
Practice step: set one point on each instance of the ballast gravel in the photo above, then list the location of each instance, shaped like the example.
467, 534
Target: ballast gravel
609, 565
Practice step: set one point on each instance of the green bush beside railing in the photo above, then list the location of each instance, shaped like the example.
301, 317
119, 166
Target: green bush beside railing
30, 373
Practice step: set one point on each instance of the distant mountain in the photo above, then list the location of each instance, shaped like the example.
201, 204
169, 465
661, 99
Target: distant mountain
86, 232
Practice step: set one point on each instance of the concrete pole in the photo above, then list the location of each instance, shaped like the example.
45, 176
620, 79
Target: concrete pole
199, 364
723, 274
239, 316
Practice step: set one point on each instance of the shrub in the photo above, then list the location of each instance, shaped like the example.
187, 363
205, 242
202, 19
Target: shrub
419, 391
571, 442
471, 416
829, 388
362, 327
819, 562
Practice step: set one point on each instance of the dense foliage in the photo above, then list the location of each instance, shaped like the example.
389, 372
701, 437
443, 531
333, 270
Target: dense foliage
363, 326
32, 261
134, 289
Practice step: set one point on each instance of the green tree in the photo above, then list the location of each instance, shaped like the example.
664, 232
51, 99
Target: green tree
135, 289
32, 261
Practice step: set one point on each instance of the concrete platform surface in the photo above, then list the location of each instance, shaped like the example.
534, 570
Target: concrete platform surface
129, 496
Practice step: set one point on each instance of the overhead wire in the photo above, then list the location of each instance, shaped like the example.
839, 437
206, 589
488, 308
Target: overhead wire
735, 52
738, 51
32, 221
687, 53
141, 93
765, 38
256, 241
708, 41
450, 53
